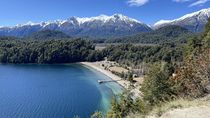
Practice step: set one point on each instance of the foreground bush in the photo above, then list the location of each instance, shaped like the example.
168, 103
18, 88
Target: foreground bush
193, 77
156, 87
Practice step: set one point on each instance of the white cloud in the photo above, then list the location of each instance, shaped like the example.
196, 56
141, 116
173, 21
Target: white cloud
198, 3
181, 0
137, 2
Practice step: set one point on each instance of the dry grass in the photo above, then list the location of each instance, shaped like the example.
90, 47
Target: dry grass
177, 104
169, 106
118, 69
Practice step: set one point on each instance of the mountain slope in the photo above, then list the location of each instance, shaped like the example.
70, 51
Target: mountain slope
162, 35
101, 26
47, 35
194, 22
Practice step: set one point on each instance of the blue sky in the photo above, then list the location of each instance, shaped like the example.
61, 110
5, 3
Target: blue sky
14, 12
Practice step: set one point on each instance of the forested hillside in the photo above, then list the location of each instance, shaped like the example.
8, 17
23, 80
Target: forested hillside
53, 51
132, 55
47, 35
175, 34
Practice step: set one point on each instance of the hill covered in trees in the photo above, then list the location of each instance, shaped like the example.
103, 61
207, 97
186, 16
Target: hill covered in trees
166, 34
129, 54
47, 35
14, 50
52, 51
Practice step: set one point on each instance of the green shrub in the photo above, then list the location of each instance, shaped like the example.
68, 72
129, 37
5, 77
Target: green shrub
156, 86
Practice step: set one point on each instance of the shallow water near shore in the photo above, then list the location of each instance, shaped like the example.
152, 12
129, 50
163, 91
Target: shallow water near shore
53, 91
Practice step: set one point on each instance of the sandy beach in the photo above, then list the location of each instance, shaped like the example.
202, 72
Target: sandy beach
96, 65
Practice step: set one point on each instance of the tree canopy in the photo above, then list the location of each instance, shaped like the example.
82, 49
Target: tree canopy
52, 51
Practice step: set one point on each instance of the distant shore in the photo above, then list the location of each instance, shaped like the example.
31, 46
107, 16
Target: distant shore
97, 66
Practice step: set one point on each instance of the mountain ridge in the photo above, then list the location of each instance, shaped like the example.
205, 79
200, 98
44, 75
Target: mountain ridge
100, 26
80, 20
193, 21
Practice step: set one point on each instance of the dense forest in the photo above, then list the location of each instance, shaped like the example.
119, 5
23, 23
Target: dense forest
76, 50
132, 54
52, 51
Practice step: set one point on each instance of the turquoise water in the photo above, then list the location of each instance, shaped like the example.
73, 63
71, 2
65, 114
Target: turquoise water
53, 91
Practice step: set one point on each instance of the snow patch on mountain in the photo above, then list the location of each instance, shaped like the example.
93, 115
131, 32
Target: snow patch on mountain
162, 22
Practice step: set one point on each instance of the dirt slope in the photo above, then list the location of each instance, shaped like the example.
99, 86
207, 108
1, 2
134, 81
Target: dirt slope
193, 112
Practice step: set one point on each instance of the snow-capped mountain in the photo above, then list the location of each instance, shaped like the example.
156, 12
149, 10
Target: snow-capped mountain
101, 26
194, 22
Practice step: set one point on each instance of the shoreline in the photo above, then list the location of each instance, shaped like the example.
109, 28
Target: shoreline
96, 65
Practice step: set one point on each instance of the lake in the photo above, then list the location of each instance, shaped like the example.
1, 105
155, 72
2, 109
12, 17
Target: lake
53, 91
